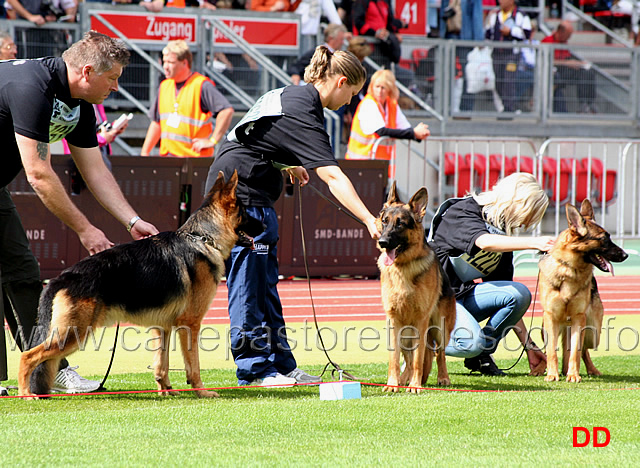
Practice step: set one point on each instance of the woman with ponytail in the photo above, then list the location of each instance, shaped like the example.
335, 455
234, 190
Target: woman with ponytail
284, 130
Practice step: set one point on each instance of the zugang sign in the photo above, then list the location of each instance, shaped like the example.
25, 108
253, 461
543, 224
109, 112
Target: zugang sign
148, 28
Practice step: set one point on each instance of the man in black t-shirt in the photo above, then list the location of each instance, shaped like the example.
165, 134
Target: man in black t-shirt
41, 102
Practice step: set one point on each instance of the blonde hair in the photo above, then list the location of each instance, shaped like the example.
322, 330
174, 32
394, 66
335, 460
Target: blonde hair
515, 201
97, 50
387, 78
325, 64
181, 49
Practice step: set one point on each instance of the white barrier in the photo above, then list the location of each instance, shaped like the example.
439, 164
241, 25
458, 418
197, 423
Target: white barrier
607, 171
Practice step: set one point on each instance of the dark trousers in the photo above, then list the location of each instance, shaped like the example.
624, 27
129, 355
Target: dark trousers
20, 277
584, 80
505, 67
258, 334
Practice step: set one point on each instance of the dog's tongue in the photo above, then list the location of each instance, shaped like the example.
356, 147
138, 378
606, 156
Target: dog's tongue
388, 257
609, 265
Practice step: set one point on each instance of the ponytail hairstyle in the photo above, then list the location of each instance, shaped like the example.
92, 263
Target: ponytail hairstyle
513, 202
325, 64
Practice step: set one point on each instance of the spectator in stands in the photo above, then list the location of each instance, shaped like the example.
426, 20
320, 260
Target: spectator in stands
375, 18
507, 24
377, 115
40, 12
334, 35
184, 106
8, 48
43, 42
571, 71
310, 12
41, 102
473, 239
269, 5
526, 72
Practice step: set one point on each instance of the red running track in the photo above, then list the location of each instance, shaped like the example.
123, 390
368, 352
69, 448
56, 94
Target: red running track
353, 300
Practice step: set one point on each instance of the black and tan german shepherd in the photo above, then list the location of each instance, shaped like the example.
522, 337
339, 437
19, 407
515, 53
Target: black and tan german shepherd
569, 293
416, 295
167, 280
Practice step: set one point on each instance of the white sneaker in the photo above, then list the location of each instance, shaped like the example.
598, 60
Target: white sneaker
3, 391
277, 379
69, 381
302, 377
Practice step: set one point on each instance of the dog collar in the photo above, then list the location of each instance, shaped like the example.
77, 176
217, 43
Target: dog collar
203, 239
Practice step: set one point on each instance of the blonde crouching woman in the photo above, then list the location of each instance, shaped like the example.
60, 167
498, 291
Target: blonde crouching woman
473, 239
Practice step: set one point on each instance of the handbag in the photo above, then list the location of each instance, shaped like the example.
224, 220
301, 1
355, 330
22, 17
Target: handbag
453, 16
479, 72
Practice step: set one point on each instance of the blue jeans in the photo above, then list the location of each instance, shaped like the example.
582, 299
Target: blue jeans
257, 334
502, 302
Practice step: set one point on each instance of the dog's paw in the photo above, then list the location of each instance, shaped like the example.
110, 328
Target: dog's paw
539, 369
391, 387
415, 389
552, 378
574, 378
444, 382
594, 372
207, 394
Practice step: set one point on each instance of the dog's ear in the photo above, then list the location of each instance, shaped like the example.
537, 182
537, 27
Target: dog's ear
393, 195
586, 210
418, 203
576, 222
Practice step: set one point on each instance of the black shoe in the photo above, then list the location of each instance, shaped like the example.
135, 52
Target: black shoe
483, 364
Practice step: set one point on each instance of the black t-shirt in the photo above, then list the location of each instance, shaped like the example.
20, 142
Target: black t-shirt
35, 102
293, 137
453, 237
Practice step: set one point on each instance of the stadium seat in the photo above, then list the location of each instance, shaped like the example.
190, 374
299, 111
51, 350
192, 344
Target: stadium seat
598, 177
551, 178
522, 164
464, 173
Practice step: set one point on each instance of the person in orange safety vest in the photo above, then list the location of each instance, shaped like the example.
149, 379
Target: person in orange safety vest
186, 103
377, 115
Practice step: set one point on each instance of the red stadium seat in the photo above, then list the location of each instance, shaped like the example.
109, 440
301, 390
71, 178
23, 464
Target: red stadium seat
598, 177
464, 173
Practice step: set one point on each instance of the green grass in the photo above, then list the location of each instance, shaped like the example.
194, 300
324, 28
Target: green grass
529, 423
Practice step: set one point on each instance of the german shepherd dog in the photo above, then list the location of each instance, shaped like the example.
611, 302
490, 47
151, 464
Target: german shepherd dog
416, 295
167, 280
569, 293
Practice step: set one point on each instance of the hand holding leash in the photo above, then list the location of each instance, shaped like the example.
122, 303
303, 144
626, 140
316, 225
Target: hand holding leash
299, 173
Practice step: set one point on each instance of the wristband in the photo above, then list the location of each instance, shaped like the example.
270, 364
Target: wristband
133, 221
213, 140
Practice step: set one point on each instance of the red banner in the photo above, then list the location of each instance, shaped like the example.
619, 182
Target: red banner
148, 27
261, 32
414, 13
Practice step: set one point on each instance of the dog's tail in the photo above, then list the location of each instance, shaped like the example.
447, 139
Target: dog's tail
39, 379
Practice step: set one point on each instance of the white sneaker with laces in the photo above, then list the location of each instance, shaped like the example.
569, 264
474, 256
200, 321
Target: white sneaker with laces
302, 377
277, 379
69, 381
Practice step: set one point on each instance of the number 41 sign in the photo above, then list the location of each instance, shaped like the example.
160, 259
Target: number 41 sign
414, 13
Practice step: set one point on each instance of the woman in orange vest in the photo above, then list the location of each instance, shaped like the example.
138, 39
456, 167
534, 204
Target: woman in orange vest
377, 115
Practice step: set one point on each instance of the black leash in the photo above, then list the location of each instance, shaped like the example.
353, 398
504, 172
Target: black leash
533, 309
322, 195
336, 367
113, 354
